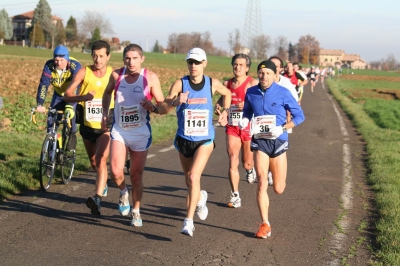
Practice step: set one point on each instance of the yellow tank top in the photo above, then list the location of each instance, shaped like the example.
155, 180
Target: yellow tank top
93, 110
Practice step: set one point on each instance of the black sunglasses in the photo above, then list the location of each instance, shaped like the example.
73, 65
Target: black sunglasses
191, 62
59, 55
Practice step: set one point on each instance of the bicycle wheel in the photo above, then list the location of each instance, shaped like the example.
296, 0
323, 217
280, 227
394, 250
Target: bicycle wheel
67, 163
47, 163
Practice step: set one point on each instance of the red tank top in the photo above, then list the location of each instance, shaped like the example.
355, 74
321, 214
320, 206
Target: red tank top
238, 94
292, 78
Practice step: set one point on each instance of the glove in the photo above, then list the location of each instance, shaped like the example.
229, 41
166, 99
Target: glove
69, 111
297, 88
243, 123
276, 131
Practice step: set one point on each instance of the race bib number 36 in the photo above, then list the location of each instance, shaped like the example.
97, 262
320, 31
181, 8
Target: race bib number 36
196, 122
94, 110
262, 126
129, 117
234, 115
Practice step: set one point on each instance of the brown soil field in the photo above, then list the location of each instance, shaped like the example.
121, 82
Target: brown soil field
22, 76
371, 78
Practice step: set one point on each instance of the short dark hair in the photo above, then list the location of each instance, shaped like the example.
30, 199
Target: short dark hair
244, 56
97, 45
133, 47
277, 58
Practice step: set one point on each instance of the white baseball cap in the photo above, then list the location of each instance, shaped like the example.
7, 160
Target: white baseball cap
197, 54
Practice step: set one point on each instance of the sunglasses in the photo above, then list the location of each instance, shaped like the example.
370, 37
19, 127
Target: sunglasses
191, 62
59, 55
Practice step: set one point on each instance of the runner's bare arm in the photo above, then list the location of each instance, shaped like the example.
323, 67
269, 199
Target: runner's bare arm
107, 97
156, 92
71, 95
172, 99
227, 97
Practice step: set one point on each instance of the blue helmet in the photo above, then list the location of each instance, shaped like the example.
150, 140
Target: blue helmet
61, 51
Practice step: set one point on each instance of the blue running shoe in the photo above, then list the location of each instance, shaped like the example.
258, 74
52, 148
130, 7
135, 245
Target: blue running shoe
124, 207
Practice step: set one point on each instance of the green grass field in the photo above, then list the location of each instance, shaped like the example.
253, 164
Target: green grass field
377, 120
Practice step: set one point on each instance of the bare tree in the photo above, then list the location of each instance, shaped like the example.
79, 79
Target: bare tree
183, 42
391, 62
308, 49
234, 41
260, 45
281, 44
92, 20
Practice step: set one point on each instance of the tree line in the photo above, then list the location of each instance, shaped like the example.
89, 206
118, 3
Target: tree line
93, 25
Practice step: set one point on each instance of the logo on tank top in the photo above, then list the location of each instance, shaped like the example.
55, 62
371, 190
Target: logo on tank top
197, 101
137, 89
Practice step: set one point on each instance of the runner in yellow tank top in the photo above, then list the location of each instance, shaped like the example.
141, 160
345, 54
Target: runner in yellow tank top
94, 80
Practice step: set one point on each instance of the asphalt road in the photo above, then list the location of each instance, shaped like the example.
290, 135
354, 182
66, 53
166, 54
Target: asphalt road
314, 222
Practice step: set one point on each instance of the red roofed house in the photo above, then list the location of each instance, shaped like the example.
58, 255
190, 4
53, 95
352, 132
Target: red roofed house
21, 24
338, 57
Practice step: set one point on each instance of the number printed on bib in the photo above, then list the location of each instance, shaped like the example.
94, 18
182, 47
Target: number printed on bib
196, 122
94, 110
262, 126
235, 115
129, 117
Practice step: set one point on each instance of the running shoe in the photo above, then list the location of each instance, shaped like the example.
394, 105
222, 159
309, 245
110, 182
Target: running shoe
136, 219
93, 203
124, 207
251, 175
105, 191
264, 231
235, 201
188, 227
270, 180
201, 209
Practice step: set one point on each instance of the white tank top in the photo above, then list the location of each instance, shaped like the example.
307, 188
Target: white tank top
129, 115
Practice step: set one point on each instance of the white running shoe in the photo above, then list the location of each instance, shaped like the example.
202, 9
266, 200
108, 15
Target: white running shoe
188, 227
201, 209
270, 180
251, 175
235, 201
124, 207
136, 219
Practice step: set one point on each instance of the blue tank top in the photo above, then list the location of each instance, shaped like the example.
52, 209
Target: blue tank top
195, 116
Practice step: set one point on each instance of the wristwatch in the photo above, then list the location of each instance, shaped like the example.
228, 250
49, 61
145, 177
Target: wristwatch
284, 128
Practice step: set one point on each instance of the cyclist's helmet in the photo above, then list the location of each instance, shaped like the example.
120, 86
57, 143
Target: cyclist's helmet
61, 51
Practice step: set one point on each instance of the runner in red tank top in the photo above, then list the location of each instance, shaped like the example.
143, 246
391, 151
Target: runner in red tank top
238, 140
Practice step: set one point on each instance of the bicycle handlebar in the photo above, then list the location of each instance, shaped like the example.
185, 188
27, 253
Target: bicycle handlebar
51, 111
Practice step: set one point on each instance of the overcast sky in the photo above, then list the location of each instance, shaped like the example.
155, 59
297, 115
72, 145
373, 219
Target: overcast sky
369, 28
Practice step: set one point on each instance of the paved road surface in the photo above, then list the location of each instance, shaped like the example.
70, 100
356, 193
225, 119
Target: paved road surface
314, 222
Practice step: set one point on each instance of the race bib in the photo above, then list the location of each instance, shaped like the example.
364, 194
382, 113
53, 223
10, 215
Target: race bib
235, 115
94, 110
129, 117
196, 122
262, 126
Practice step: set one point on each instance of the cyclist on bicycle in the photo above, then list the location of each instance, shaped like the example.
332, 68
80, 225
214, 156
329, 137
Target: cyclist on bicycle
58, 72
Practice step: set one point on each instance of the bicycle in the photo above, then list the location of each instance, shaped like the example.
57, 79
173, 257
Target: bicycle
55, 150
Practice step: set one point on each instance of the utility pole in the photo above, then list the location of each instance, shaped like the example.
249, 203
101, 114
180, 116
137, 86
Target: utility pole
252, 23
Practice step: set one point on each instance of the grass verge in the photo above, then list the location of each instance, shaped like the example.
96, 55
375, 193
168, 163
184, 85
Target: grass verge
383, 145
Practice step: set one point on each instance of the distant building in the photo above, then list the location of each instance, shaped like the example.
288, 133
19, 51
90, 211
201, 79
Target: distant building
338, 57
21, 24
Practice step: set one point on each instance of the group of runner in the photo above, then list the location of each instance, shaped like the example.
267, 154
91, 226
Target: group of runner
113, 109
